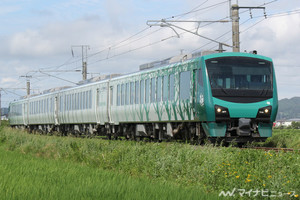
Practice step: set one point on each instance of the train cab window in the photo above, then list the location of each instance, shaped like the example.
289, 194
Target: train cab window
153, 85
184, 85
142, 92
158, 90
165, 88
137, 92
172, 87
118, 95
147, 90
132, 92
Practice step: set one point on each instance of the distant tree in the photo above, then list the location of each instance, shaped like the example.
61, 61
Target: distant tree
295, 125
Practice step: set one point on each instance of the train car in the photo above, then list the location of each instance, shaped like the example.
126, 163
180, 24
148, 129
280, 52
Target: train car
220, 96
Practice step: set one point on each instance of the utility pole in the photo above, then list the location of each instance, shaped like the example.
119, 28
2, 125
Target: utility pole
236, 24
235, 28
0, 107
84, 57
27, 83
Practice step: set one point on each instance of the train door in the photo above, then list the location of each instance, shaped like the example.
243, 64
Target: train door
25, 113
56, 110
103, 96
194, 91
109, 102
97, 106
198, 94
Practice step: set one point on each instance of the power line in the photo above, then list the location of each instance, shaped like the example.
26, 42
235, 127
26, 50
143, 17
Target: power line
111, 47
138, 48
129, 40
196, 10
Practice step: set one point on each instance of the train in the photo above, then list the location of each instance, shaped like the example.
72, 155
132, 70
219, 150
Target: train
229, 97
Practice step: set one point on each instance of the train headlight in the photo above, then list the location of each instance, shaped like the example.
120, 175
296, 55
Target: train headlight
264, 113
222, 113
266, 110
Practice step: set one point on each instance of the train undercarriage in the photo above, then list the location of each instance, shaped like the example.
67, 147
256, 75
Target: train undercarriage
193, 132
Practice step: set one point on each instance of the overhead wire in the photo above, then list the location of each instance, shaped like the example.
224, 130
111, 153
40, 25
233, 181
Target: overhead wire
230, 30
153, 43
127, 41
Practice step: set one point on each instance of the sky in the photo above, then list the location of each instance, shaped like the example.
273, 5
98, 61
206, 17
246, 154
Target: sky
42, 39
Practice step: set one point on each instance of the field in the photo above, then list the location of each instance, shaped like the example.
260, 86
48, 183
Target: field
284, 138
27, 177
198, 171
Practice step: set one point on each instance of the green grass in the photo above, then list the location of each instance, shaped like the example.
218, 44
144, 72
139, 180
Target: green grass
284, 138
27, 177
206, 168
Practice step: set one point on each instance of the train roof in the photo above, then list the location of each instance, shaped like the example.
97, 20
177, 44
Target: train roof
145, 68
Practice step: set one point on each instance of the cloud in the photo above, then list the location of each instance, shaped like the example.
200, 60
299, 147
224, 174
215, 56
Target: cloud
278, 38
8, 80
4, 10
46, 41
28, 43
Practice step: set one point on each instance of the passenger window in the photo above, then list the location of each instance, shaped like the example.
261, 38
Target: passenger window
142, 92
132, 92
118, 95
172, 87
200, 77
158, 90
153, 84
83, 101
165, 88
90, 102
184, 85
137, 91
147, 89
127, 94
122, 94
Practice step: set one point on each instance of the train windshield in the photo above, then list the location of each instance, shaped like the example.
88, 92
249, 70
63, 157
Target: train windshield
240, 76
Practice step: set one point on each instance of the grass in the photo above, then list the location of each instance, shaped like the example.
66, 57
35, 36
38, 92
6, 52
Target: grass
27, 177
206, 168
284, 138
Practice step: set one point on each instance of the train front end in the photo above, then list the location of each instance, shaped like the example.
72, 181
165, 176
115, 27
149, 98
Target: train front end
240, 98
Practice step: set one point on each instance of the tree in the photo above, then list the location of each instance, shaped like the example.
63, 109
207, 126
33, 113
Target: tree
295, 125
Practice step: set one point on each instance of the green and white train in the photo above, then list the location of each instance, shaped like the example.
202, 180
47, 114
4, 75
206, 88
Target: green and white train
221, 96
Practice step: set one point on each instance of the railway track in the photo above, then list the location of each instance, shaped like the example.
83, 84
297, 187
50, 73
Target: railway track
274, 149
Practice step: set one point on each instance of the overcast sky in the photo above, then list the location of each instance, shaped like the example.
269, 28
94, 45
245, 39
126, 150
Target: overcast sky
38, 35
